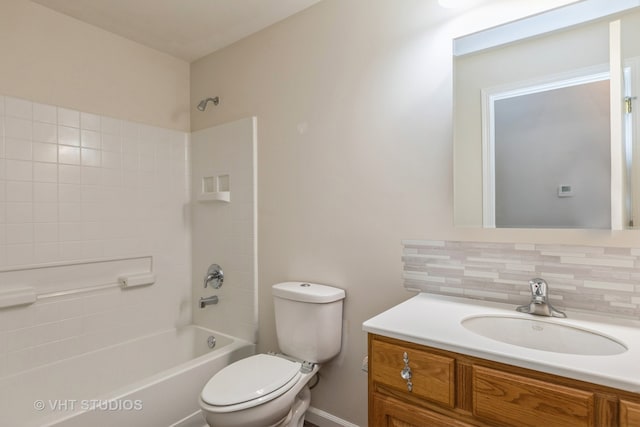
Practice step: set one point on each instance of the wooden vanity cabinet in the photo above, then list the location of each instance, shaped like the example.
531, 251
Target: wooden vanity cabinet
413, 385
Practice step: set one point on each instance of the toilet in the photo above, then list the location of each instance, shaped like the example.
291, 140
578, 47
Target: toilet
272, 390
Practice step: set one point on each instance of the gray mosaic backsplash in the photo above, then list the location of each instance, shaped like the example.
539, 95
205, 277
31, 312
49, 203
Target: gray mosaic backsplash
600, 280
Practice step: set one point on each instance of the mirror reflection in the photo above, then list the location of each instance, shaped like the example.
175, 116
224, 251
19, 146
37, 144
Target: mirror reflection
532, 136
630, 47
552, 158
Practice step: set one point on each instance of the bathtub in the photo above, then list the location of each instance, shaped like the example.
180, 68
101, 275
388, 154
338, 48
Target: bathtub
151, 381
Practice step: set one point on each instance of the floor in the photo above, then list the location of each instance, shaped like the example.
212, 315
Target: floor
306, 424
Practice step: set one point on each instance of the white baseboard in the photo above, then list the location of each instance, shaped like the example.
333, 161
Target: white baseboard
313, 415
325, 419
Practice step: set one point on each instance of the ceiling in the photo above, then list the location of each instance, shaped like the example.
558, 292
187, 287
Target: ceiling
187, 29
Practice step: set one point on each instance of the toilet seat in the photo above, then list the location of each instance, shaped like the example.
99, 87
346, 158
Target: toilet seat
250, 382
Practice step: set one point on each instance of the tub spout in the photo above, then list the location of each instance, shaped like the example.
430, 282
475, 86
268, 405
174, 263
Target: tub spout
208, 301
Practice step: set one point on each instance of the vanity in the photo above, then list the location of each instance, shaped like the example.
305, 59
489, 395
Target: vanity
427, 368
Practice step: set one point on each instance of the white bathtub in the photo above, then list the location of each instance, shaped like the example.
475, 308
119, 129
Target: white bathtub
151, 381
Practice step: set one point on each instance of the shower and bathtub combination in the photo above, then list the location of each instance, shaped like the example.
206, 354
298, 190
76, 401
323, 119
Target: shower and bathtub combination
151, 381
100, 321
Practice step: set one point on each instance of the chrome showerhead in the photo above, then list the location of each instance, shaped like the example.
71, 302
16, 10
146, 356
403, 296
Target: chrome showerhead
203, 104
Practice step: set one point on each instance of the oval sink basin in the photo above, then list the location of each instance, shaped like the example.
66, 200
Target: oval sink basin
543, 335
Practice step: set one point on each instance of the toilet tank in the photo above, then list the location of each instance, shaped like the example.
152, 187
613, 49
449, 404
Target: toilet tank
308, 320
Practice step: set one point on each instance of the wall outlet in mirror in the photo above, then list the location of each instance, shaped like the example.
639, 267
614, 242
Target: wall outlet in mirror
565, 190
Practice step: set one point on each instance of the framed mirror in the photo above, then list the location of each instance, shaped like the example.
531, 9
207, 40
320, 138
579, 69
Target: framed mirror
534, 120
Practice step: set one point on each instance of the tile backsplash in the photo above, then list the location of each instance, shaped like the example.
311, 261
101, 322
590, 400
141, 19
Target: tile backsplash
603, 280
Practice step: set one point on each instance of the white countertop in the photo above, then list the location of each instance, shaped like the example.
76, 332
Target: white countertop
434, 320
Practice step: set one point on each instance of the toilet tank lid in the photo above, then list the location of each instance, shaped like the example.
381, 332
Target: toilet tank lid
307, 292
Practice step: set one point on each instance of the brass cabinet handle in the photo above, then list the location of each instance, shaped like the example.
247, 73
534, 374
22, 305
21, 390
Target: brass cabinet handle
406, 374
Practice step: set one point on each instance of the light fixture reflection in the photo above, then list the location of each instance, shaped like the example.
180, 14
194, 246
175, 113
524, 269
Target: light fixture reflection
457, 4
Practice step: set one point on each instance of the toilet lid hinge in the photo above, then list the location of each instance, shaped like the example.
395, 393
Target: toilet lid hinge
306, 367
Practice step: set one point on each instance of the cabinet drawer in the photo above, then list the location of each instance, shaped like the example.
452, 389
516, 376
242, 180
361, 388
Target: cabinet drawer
629, 414
514, 400
432, 375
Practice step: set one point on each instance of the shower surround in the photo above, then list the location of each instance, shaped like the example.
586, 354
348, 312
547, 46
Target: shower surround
84, 198
225, 233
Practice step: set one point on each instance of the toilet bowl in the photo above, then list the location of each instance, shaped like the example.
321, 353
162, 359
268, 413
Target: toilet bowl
260, 391
271, 390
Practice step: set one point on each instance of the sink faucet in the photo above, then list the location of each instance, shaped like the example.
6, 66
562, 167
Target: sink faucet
539, 304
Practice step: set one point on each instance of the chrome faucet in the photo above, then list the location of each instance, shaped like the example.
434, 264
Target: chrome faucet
214, 274
539, 304
208, 301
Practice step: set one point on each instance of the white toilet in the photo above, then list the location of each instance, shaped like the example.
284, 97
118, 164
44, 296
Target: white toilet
269, 390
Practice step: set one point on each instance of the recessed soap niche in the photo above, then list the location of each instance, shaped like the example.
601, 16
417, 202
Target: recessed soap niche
215, 188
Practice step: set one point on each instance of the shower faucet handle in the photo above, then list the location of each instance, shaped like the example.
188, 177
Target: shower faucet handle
214, 273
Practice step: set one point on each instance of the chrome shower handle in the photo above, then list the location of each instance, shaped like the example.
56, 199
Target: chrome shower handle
214, 273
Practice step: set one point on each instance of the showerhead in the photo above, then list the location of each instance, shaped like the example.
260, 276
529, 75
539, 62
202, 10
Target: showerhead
203, 104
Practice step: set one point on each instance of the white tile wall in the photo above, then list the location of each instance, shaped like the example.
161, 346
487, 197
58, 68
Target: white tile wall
226, 232
76, 186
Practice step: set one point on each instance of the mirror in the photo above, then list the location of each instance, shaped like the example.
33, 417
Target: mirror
630, 48
532, 134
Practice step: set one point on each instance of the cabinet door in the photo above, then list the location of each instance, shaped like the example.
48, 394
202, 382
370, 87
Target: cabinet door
629, 414
389, 412
514, 400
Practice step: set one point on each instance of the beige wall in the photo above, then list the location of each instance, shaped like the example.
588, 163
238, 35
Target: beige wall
53, 59
353, 100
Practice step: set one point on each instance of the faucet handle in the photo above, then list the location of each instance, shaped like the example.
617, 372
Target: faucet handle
538, 289
214, 273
